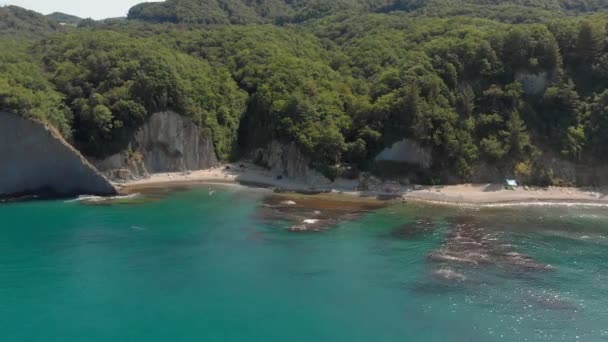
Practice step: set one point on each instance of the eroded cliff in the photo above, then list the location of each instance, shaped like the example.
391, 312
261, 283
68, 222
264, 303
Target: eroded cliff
36, 160
288, 161
167, 142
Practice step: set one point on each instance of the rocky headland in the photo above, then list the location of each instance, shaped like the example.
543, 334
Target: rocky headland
37, 161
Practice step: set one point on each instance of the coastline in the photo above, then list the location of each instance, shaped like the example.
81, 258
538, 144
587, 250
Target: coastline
247, 174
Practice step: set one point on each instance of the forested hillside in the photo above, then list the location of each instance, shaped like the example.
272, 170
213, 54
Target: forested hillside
17, 22
64, 18
505, 85
26, 91
282, 11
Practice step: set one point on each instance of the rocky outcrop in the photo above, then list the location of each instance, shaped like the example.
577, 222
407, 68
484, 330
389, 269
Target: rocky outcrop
533, 84
168, 142
287, 161
123, 166
554, 169
564, 172
36, 160
487, 173
407, 151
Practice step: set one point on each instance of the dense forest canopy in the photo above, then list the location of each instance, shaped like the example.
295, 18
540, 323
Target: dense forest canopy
479, 83
284, 11
111, 83
25, 90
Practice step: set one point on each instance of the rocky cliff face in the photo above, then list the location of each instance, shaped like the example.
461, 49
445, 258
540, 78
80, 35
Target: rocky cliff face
36, 160
567, 173
168, 142
407, 151
560, 172
287, 161
533, 84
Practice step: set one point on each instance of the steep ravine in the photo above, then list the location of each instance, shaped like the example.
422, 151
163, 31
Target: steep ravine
36, 160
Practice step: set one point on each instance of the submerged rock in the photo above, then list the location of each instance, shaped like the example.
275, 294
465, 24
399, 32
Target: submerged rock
467, 243
311, 213
448, 274
36, 160
551, 302
413, 230
308, 225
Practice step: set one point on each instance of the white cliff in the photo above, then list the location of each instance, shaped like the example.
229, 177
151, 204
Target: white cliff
167, 142
36, 160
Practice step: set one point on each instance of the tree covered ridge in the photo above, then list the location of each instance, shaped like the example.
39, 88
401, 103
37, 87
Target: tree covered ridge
287, 11
481, 92
17, 22
111, 83
64, 18
25, 90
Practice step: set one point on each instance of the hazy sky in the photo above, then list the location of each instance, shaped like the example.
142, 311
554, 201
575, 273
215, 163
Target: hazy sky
96, 9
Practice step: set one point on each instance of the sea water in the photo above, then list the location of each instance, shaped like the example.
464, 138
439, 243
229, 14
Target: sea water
203, 264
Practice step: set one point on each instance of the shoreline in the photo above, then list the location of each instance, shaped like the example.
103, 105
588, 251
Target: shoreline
491, 195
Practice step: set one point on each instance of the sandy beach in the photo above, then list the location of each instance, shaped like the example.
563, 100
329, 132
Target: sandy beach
474, 194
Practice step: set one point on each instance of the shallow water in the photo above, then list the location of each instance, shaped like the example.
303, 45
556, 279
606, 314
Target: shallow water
216, 264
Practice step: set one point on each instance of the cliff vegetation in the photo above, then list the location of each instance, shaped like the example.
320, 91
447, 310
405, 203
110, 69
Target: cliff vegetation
499, 84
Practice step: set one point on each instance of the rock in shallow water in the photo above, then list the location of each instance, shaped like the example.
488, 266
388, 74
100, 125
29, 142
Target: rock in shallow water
469, 244
550, 301
311, 213
448, 274
413, 230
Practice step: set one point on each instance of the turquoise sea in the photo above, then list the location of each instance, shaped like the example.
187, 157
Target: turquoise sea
219, 263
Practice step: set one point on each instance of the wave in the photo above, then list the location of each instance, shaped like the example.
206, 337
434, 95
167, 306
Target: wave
513, 204
544, 204
93, 198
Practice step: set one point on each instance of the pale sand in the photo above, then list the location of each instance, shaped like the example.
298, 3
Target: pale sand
474, 194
